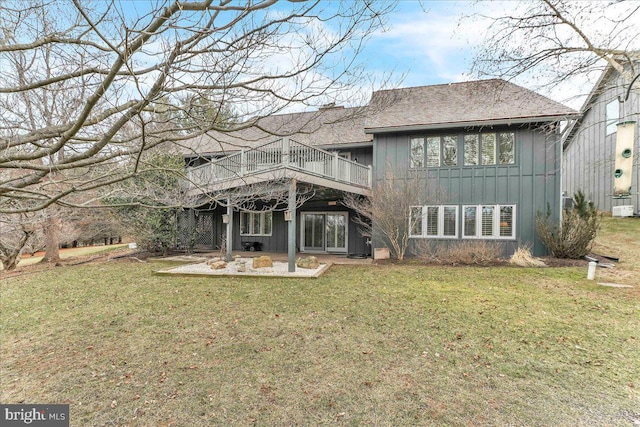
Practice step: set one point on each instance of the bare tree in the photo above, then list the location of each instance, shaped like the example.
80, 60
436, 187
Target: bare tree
391, 210
19, 233
560, 42
125, 62
87, 87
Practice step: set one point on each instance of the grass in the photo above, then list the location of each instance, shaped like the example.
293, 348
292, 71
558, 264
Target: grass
620, 237
377, 345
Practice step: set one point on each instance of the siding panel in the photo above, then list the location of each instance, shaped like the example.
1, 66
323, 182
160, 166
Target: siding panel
532, 182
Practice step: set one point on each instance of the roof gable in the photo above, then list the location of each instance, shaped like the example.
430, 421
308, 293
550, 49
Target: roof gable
460, 104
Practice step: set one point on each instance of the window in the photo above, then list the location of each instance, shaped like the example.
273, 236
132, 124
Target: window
506, 148
417, 153
471, 144
434, 221
489, 221
449, 221
450, 150
612, 112
506, 221
470, 213
488, 149
433, 151
493, 148
415, 221
256, 223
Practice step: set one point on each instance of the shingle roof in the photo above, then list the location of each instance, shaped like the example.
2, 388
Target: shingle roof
332, 126
476, 103
460, 104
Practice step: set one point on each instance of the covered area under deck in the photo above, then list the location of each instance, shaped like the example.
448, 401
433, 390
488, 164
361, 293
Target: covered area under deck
310, 183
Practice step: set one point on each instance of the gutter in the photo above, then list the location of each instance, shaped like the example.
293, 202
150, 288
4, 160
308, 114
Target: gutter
469, 124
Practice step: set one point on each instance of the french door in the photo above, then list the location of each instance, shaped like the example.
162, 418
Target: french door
324, 232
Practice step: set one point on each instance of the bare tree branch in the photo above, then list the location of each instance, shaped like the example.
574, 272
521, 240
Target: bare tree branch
560, 41
85, 86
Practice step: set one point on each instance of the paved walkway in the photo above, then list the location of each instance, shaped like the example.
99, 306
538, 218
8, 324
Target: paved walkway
275, 256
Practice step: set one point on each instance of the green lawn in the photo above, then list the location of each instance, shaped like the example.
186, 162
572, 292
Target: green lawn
392, 345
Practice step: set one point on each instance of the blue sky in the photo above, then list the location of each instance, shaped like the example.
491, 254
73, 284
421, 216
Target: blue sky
434, 42
430, 42
425, 42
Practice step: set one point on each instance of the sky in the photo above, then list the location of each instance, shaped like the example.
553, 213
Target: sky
434, 42
429, 42
425, 43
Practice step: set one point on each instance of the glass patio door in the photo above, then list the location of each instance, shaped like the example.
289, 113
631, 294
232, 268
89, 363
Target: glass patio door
313, 232
336, 232
324, 232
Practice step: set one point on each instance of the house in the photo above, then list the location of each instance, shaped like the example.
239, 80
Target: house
589, 145
493, 146
592, 142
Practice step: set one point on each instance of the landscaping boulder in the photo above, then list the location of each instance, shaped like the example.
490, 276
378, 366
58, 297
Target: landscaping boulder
218, 265
214, 260
308, 262
262, 261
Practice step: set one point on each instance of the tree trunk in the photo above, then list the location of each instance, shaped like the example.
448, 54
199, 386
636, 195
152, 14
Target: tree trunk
52, 239
10, 257
10, 261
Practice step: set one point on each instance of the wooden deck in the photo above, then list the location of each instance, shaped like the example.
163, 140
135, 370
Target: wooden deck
277, 160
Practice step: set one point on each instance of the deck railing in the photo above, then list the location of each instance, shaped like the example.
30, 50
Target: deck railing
282, 153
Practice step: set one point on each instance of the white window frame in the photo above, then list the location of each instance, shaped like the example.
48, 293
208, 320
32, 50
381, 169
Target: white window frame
251, 216
495, 234
440, 222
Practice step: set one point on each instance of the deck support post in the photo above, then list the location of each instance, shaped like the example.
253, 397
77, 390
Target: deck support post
229, 243
291, 233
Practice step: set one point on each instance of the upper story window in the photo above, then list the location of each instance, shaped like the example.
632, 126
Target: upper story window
478, 149
490, 149
256, 223
417, 153
433, 151
612, 112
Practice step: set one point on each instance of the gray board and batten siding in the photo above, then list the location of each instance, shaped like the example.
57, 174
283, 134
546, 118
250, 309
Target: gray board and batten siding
589, 154
531, 183
211, 238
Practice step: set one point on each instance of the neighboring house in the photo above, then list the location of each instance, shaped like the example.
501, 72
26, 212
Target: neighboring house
589, 144
493, 147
